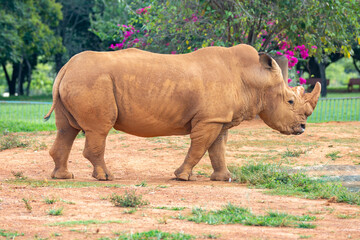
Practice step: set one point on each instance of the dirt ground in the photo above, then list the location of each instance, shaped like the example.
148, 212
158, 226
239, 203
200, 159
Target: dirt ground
152, 161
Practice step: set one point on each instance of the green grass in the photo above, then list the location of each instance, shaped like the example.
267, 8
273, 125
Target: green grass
39, 98
231, 214
171, 208
336, 110
83, 222
56, 211
129, 199
50, 200
152, 234
292, 153
333, 155
9, 141
282, 181
25, 126
9, 235
60, 184
142, 184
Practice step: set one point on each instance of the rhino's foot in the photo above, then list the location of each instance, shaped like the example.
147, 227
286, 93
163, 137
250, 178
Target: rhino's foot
221, 176
64, 174
183, 176
102, 175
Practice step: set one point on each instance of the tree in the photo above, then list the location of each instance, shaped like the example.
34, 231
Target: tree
299, 28
74, 30
27, 35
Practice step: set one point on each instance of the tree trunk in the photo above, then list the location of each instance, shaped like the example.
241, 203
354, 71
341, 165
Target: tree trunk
58, 62
21, 80
28, 76
323, 78
8, 80
14, 77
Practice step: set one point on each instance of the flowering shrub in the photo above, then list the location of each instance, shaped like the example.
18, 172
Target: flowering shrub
184, 26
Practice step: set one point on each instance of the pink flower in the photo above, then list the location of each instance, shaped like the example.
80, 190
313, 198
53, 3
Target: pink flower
302, 80
298, 72
290, 53
119, 45
194, 18
127, 34
173, 52
124, 26
279, 53
289, 80
136, 40
167, 44
195, 49
112, 46
284, 45
314, 47
292, 61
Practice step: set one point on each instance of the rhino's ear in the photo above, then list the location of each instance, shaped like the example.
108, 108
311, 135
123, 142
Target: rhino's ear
282, 61
265, 60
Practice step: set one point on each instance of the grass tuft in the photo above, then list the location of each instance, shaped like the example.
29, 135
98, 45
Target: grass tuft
27, 204
333, 155
56, 211
9, 235
83, 222
231, 214
130, 199
9, 141
283, 181
152, 234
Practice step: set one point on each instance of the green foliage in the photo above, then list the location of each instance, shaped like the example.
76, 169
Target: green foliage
9, 235
56, 211
231, 214
183, 26
340, 72
42, 80
130, 199
152, 234
283, 181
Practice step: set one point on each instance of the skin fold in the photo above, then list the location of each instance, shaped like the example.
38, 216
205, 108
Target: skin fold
202, 94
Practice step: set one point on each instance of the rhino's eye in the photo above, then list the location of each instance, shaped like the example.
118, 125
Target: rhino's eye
291, 102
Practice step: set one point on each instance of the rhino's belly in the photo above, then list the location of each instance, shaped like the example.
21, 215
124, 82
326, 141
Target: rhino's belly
152, 129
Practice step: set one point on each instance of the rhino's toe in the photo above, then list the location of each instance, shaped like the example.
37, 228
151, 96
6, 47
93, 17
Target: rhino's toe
220, 176
57, 174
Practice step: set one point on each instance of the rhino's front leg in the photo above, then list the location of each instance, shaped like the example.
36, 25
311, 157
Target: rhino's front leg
217, 157
202, 137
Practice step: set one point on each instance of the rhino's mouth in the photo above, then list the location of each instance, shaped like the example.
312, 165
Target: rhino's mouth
295, 130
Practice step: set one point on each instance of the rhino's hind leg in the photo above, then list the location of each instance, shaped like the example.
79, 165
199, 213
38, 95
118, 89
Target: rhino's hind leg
202, 136
61, 148
217, 157
94, 151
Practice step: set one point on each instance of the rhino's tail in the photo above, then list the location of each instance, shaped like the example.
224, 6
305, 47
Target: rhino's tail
55, 91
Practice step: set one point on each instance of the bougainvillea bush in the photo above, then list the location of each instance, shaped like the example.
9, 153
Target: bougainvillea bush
295, 29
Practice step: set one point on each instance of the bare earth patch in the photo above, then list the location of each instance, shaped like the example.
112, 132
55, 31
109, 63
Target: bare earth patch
152, 161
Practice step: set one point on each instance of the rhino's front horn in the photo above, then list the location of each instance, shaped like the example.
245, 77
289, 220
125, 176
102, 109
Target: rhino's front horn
313, 97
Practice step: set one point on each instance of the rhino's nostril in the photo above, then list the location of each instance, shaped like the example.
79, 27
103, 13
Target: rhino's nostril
302, 126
